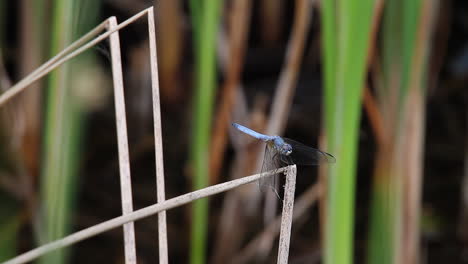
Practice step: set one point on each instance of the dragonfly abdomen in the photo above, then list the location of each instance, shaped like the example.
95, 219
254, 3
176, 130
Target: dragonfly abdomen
252, 133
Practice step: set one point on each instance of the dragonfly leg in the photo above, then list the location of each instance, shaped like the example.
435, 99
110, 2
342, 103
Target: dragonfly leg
277, 195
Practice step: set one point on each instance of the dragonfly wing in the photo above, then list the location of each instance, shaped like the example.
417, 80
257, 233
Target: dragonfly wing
304, 155
270, 163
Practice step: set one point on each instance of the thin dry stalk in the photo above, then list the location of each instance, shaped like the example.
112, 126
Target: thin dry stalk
227, 241
236, 205
122, 140
137, 215
282, 101
30, 102
287, 215
68, 53
158, 145
412, 166
73, 50
238, 31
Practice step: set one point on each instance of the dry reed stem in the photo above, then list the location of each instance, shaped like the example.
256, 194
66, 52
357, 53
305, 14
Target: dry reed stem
31, 100
414, 141
287, 215
122, 140
236, 205
238, 31
77, 47
227, 241
68, 53
137, 215
158, 145
282, 100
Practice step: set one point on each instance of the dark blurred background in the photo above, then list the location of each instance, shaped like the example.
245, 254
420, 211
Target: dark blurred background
33, 31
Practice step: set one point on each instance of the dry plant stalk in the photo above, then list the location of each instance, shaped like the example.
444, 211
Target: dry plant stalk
81, 45
70, 52
30, 59
231, 49
145, 212
130, 216
403, 172
415, 120
158, 145
238, 32
287, 215
122, 142
237, 205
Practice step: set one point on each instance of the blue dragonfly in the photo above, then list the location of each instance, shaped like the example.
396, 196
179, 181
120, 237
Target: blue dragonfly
281, 151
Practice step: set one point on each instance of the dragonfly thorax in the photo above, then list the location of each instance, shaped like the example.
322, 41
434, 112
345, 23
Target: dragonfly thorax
281, 146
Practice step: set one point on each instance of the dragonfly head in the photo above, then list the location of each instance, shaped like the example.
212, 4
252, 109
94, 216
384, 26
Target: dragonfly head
286, 149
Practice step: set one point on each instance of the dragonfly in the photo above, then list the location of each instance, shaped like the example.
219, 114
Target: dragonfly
280, 151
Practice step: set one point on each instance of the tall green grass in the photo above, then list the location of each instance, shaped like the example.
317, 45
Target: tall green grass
394, 227
346, 27
205, 19
64, 123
